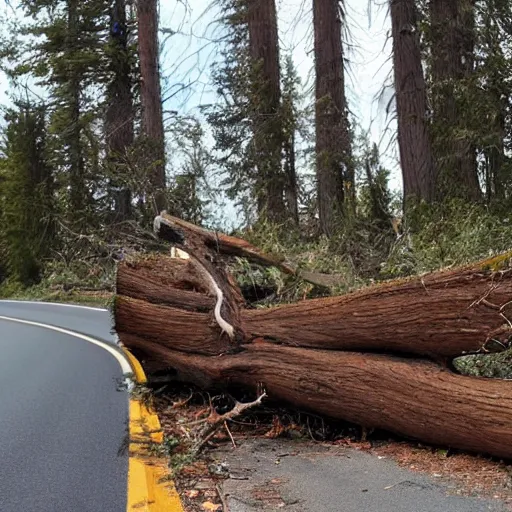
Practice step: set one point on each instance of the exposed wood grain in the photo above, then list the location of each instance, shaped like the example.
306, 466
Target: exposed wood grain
414, 398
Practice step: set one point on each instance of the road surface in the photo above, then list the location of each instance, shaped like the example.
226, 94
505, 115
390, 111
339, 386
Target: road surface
292, 476
63, 428
63, 413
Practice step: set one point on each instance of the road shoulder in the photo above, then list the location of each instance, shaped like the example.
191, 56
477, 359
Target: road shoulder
150, 488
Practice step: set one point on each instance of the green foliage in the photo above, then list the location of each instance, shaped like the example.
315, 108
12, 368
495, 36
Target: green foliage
446, 235
497, 366
189, 190
26, 182
479, 95
230, 119
254, 138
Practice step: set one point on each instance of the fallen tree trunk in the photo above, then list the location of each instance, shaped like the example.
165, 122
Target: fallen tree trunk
186, 317
440, 315
414, 398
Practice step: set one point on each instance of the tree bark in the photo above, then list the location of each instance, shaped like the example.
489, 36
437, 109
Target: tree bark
414, 398
309, 354
334, 166
151, 96
267, 122
411, 104
120, 112
452, 47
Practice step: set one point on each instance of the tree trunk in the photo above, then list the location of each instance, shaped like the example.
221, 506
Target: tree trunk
413, 398
151, 96
452, 47
180, 316
411, 104
267, 123
120, 112
334, 166
291, 189
290, 115
77, 188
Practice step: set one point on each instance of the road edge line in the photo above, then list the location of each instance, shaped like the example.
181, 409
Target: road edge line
49, 303
119, 355
150, 488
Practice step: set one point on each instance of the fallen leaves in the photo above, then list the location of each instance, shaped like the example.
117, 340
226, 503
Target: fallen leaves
211, 507
471, 474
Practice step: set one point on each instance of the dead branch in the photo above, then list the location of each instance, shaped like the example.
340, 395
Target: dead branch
215, 420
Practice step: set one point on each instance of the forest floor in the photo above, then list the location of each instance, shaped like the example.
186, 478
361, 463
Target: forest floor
94, 298
272, 458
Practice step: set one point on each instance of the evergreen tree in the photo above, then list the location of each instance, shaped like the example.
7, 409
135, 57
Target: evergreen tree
189, 191
64, 52
452, 46
151, 98
119, 123
248, 124
291, 117
26, 193
416, 157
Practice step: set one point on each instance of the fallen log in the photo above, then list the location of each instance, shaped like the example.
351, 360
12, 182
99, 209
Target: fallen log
440, 315
414, 398
186, 317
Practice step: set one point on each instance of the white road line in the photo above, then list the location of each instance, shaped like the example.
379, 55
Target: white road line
121, 359
52, 304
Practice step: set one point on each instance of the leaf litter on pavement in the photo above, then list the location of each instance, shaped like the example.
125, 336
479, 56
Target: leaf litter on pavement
184, 411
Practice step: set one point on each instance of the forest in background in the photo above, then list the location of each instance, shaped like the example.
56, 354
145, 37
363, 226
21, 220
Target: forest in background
86, 166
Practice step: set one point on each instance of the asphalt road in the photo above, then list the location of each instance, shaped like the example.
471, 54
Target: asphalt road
63, 414
63, 428
270, 475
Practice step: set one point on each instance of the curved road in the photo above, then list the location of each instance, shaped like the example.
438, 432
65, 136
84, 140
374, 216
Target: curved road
63, 413
64, 428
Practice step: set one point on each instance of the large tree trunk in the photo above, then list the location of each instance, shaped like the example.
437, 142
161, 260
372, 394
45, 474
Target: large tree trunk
334, 166
411, 104
151, 96
179, 316
120, 112
77, 186
452, 48
267, 122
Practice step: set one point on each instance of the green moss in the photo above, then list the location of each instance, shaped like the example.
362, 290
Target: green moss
497, 263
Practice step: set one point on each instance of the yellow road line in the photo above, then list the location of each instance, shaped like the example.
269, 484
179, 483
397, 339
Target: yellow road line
149, 487
138, 372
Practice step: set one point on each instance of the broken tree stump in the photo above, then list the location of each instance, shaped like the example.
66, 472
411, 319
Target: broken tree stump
368, 357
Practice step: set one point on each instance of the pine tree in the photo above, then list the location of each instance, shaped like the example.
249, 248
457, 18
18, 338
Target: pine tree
452, 45
414, 142
189, 190
151, 96
265, 107
119, 125
26, 193
65, 53
247, 123
291, 117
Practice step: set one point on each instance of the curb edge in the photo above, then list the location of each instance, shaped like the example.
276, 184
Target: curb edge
150, 488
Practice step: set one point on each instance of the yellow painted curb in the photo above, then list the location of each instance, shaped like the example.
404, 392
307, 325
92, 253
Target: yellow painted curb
150, 488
